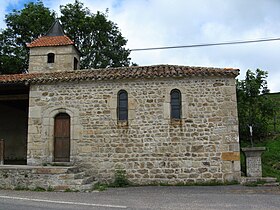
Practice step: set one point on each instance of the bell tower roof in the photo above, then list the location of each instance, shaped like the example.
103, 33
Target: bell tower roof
54, 37
56, 29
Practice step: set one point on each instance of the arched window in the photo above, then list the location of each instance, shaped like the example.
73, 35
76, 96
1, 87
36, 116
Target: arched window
51, 58
122, 109
75, 63
176, 104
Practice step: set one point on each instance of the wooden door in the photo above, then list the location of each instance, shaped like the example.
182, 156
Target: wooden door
62, 138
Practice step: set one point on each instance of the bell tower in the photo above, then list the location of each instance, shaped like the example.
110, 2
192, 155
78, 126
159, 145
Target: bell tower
53, 52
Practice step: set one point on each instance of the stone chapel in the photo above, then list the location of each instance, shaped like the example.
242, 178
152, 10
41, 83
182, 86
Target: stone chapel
160, 124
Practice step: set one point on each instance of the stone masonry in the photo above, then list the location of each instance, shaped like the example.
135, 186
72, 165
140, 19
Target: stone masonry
201, 147
253, 161
58, 178
64, 57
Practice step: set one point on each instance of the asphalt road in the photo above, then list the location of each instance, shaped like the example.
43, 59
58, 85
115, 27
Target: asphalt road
173, 198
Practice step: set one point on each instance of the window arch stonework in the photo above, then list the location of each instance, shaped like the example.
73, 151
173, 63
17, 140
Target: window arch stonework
167, 104
113, 106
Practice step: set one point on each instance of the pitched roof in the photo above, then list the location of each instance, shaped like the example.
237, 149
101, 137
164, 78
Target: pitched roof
47, 41
54, 37
56, 29
157, 71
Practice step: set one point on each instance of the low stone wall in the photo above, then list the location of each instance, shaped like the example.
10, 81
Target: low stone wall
48, 178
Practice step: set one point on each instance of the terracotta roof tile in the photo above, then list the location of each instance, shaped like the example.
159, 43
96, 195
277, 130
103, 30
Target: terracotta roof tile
46, 41
156, 71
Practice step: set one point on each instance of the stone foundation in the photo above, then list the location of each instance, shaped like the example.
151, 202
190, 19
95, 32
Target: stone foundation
47, 178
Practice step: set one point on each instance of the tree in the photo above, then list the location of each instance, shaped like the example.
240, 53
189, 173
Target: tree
98, 38
11, 56
254, 107
23, 26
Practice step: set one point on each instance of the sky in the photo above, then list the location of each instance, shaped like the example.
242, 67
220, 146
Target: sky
159, 23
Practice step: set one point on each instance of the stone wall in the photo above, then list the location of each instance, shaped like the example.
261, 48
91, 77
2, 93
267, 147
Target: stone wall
64, 59
44, 177
202, 147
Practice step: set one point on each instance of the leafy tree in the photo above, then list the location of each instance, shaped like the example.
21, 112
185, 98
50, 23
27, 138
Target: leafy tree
254, 107
22, 27
11, 56
98, 38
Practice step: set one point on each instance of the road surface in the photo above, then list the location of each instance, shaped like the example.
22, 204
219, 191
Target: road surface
152, 197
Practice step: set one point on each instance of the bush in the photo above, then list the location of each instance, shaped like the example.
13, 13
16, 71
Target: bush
120, 179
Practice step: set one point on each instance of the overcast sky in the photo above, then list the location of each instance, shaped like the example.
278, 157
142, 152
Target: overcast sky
157, 23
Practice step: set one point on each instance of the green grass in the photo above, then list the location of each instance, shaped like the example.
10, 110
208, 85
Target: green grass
19, 188
70, 190
100, 186
275, 97
39, 189
271, 158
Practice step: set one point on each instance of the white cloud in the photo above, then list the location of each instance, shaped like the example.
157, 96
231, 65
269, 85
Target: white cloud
154, 23
4, 5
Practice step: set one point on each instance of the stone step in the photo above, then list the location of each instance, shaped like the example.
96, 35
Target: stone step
61, 188
59, 178
51, 170
80, 175
269, 179
85, 187
65, 164
271, 184
66, 177
266, 180
88, 180
74, 170
74, 182
71, 180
